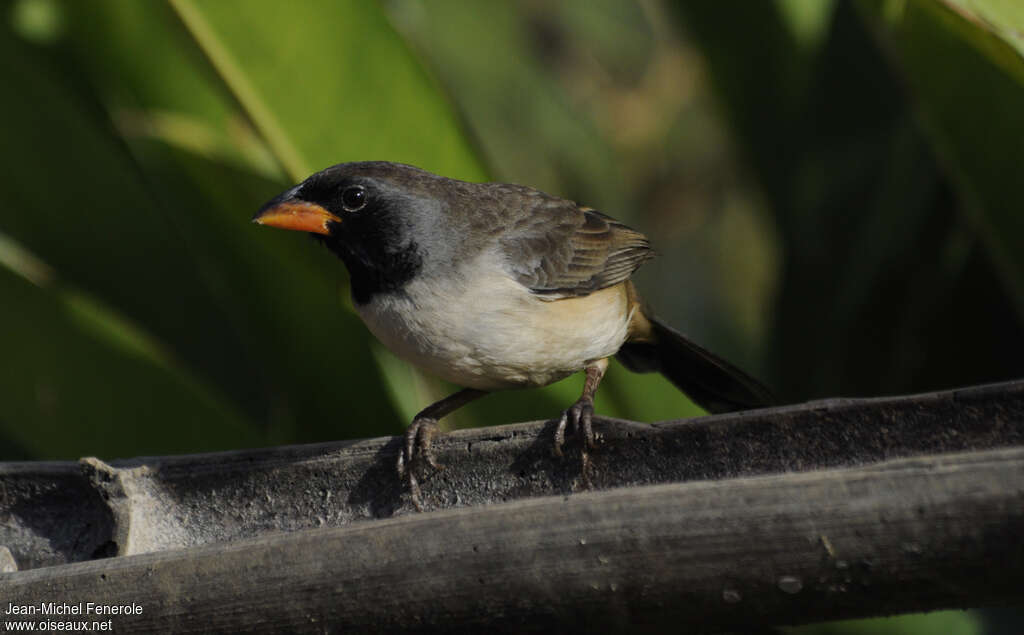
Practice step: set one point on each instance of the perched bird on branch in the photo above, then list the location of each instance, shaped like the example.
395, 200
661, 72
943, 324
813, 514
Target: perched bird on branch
494, 286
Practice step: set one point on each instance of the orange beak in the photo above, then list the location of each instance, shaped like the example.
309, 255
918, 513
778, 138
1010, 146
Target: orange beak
296, 215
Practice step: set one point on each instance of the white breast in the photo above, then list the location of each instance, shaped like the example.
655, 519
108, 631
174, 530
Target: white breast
493, 333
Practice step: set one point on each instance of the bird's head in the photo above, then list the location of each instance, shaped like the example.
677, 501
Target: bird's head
383, 219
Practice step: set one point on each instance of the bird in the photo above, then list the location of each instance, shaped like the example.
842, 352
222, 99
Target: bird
495, 286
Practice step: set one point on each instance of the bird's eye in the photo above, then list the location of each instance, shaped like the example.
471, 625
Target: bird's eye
353, 198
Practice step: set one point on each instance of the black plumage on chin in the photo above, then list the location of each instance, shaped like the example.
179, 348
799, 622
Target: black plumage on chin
374, 264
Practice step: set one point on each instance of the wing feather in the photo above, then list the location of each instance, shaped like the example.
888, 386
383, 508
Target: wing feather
562, 250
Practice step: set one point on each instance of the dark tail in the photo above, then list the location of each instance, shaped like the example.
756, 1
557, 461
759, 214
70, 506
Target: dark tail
713, 383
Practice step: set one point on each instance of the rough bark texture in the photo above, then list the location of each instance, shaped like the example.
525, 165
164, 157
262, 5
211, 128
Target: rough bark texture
710, 548
904, 535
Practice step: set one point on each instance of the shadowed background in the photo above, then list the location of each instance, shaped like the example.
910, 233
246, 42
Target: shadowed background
833, 189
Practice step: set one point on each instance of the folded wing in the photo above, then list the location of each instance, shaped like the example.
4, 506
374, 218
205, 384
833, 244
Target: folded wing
562, 250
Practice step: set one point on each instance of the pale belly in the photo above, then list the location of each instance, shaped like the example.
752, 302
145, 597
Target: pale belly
498, 335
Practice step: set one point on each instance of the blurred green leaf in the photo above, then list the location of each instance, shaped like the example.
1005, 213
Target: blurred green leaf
965, 67
155, 83
306, 72
501, 96
37, 20
884, 288
808, 19
264, 287
945, 622
76, 376
994, 27
74, 198
166, 73
310, 356
176, 258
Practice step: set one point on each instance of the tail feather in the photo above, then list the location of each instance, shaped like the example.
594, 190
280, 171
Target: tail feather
713, 383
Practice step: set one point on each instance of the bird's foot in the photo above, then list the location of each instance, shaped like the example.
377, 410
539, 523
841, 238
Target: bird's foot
418, 438
578, 418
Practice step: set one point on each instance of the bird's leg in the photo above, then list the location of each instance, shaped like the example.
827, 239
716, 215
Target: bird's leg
579, 416
420, 434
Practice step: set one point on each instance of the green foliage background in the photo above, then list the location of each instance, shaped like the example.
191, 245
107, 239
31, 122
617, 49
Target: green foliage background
833, 187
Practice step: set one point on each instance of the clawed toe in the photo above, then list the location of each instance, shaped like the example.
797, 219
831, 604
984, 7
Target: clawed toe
560, 434
578, 418
417, 446
420, 434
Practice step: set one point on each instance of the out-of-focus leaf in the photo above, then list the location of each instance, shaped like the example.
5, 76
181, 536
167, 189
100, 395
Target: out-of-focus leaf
233, 305
964, 64
808, 19
291, 370
883, 289
980, 23
74, 377
37, 20
168, 92
307, 73
643, 397
74, 197
284, 298
501, 96
945, 622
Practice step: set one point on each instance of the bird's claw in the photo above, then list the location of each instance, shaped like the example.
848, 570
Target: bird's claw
578, 418
417, 446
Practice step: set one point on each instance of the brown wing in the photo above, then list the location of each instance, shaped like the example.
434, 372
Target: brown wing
562, 250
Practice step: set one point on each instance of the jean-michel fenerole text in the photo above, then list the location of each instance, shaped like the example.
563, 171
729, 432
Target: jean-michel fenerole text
79, 608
